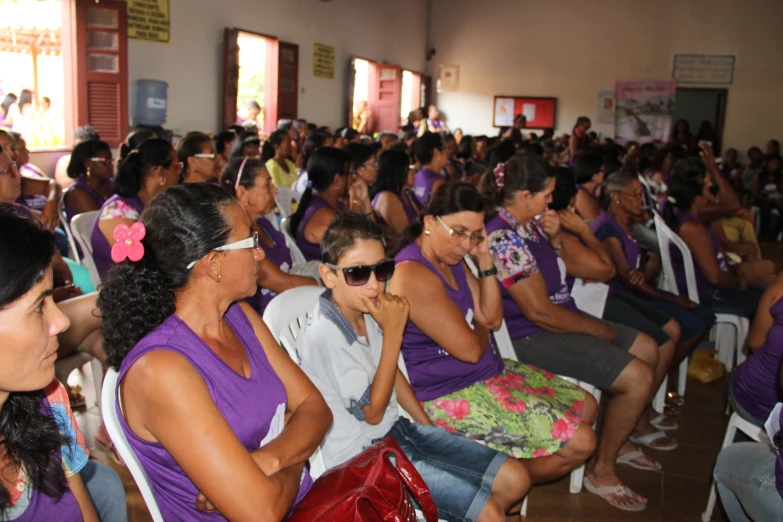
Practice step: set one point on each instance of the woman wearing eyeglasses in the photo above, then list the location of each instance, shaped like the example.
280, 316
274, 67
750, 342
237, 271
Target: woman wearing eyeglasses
197, 155
464, 386
142, 175
212, 407
91, 168
249, 182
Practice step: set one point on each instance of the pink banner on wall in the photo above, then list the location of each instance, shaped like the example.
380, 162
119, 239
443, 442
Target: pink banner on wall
645, 110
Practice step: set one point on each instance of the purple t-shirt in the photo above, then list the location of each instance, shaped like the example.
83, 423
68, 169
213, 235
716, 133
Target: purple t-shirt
521, 252
311, 251
678, 265
755, 383
432, 371
280, 255
422, 184
411, 213
101, 250
253, 407
81, 184
606, 226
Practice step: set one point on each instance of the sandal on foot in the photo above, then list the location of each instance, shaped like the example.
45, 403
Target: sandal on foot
628, 459
658, 419
614, 490
647, 440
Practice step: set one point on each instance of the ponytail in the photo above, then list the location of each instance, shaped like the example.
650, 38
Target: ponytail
298, 216
522, 172
151, 153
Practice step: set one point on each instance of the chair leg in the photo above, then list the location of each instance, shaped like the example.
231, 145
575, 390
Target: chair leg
524, 507
97, 378
659, 400
577, 477
731, 431
683, 377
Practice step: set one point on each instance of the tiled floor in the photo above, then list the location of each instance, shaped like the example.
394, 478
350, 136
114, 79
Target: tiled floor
679, 494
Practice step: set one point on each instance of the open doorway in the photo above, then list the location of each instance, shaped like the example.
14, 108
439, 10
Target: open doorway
252, 72
696, 106
374, 96
412, 94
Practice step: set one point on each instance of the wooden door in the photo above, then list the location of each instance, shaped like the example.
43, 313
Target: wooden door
385, 87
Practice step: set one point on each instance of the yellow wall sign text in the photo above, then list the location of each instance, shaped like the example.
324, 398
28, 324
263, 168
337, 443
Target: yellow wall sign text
323, 61
149, 20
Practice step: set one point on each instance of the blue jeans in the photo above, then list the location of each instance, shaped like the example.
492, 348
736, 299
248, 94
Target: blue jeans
745, 476
458, 471
106, 491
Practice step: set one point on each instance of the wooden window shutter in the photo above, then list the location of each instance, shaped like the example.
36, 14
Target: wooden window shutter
288, 81
385, 87
102, 67
230, 76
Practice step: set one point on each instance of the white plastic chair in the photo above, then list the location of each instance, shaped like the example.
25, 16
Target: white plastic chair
731, 331
297, 256
74, 252
284, 198
81, 227
114, 428
748, 428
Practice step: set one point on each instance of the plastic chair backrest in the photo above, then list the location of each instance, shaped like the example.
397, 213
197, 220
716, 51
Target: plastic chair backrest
66, 227
667, 237
81, 227
287, 314
296, 255
284, 198
112, 421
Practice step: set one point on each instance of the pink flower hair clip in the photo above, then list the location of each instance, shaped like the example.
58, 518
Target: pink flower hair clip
500, 175
128, 242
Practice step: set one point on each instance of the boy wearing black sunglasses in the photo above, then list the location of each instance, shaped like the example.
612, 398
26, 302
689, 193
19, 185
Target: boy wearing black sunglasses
350, 349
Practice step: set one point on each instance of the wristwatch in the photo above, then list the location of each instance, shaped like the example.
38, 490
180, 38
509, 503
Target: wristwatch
486, 273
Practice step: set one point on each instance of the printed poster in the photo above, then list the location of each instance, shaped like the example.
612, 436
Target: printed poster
149, 20
504, 112
644, 110
323, 61
606, 106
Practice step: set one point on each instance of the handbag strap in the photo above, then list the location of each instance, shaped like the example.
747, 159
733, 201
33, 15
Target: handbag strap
411, 478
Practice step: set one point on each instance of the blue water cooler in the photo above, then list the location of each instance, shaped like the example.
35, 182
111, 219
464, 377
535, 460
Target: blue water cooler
151, 102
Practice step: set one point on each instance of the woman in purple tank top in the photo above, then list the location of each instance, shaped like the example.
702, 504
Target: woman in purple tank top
328, 185
91, 168
214, 406
720, 287
250, 183
388, 198
43, 448
452, 365
142, 175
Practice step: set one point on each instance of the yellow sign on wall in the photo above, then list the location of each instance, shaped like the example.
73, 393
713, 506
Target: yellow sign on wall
149, 20
323, 61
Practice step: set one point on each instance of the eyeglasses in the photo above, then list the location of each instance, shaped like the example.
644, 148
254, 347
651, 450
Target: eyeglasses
476, 237
205, 156
359, 275
107, 161
242, 244
372, 165
176, 165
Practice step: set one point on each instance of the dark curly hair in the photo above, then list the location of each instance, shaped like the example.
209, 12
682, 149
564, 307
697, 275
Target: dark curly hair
183, 224
29, 436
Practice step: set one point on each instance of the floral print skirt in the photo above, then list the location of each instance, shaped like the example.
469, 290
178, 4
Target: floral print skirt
524, 411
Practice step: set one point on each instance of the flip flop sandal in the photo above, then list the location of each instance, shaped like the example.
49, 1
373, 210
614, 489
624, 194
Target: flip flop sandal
659, 419
647, 440
627, 459
614, 490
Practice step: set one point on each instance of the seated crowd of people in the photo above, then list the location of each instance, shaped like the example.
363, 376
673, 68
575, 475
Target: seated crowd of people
425, 243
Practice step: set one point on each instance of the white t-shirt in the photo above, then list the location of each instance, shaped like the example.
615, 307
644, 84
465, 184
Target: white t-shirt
342, 366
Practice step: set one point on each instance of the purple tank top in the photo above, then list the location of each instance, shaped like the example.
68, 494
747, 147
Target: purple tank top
311, 251
550, 265
606, 226
703, 286
755, 383
101, 250
432, 371
422, 184
280, 255
81, 183
253, 407
410, 212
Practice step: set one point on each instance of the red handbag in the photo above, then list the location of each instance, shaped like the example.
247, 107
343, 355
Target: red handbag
368, 488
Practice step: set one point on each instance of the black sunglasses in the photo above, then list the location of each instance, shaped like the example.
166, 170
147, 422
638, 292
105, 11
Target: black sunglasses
359, 275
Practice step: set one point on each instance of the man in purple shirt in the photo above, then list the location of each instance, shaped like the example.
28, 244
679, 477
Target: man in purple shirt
429, 151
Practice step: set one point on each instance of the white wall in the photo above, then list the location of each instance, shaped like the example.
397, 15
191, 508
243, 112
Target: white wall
192, 63
572, 49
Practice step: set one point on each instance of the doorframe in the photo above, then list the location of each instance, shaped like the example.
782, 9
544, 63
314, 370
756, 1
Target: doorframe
720, 109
